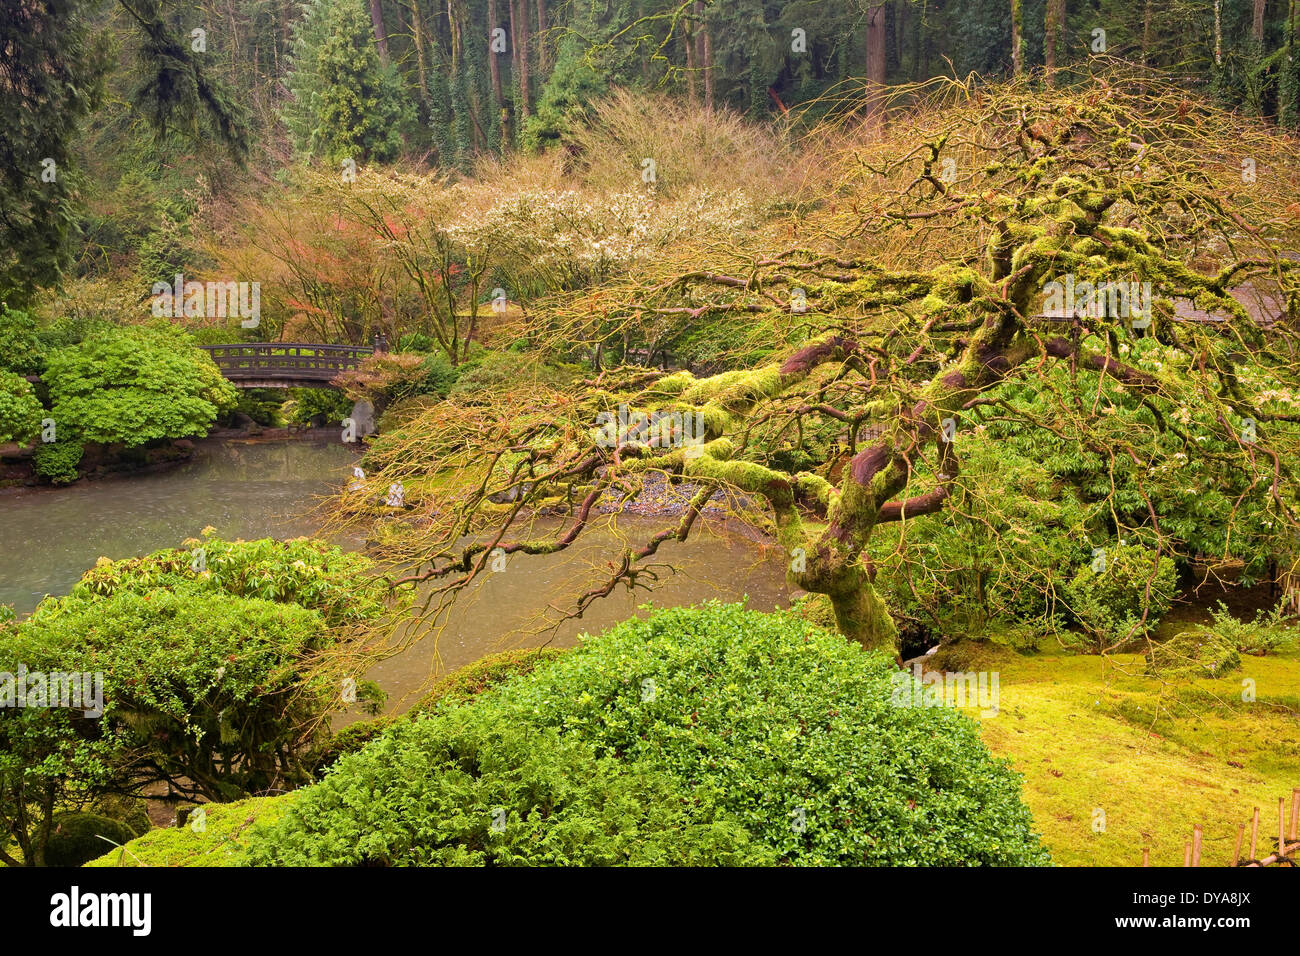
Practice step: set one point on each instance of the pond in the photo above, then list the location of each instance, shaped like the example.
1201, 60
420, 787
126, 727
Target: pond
244, 489
253, 489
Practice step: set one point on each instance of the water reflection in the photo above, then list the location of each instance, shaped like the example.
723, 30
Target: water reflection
48, 538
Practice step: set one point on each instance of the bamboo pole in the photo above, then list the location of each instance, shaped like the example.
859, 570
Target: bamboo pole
1196, 845
1281, 826
1294, 833
1254, 832
1236, 850
1187, 854
1146, 856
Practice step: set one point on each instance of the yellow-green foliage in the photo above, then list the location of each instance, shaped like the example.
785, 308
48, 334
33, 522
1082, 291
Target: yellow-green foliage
223, 836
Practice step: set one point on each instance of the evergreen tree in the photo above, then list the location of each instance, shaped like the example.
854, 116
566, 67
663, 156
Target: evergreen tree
52, 71
347, 103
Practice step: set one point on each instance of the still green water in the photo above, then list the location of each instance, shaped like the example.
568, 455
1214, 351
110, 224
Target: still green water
49, 537
249, 489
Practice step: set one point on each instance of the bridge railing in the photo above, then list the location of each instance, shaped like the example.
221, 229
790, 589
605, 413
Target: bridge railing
289, 360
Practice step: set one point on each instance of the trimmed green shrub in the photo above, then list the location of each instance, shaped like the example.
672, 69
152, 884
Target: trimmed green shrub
217, 665
761, 719
463, 788
783, 722
1110, 603
57, 461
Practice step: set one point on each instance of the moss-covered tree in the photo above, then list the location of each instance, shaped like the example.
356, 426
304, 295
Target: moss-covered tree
896, 321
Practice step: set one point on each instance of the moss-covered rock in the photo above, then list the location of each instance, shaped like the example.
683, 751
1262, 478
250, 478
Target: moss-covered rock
1199, 652
218, 838
79, 837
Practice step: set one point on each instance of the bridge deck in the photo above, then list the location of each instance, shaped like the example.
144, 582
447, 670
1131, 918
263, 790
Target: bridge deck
285, 364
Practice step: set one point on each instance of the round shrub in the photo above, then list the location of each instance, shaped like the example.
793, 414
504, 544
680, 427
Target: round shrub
463, 788
792, 729
57, 462
1109, 603
692, 718
81, 837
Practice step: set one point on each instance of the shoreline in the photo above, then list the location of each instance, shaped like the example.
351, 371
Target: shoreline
18, 477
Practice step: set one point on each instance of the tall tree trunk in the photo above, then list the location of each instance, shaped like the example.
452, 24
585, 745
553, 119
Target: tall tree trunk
543, 55
918, 43
1147, 7
704, 54
900, 30
1053, 35
419, 39
1017, 57
689, 40
876, 60
519, 41
377, 19
1257, 25
494, 67
1289, 83
1218, 34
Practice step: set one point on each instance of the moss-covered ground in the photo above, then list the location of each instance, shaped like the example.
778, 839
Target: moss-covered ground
1096, 734
1091, 735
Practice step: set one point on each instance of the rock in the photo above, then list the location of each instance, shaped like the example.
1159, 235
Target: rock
363, 418
183, 444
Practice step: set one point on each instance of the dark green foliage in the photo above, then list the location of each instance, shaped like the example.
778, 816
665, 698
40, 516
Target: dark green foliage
53, 63
347, 104
318, 406
571, 88
176, 91
463, 788
80, 837
262, 405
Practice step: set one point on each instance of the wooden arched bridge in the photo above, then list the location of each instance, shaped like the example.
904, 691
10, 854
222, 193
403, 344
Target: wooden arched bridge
285, 364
